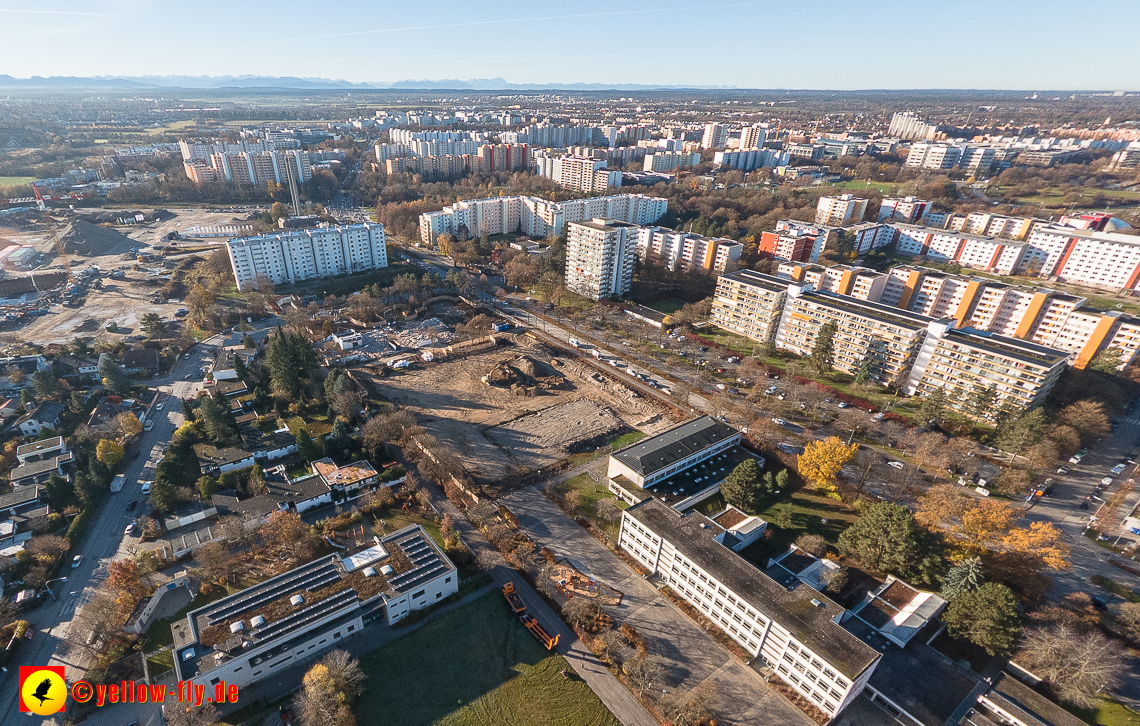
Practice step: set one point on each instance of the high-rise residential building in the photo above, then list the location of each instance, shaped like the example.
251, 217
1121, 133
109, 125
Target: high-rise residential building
1106, 260
715, 136
861, 283
750, 159
305, 254
812, 152
1019, 373
246, 168
749, 303
910, 127
795, 245
584, 174
752, 137
840, 210
666, 161
977, 161
909, 210
934, 156
600, 257
687, 249
533, 216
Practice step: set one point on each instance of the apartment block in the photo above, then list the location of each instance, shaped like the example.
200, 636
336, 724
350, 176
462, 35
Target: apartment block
870, 236
749, 303
687, 249
889, 338
749, 159
534, 216
752, 137
908, 126
1105, 260
587, 175
791, 626
960, 361
715, 136
600, 257
668, 161
305, 254
794, 245
840, 210
933, 156
861, 283
908, 210
246, 168
1003, 257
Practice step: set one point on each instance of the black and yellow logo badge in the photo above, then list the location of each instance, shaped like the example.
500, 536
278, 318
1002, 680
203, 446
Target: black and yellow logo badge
42, 690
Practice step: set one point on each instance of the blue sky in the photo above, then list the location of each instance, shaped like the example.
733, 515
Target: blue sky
1018, 44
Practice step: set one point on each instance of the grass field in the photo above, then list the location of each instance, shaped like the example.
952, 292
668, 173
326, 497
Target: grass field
592, 492
476, 666
856, 185
15, 181
1107, 713
626, 439
811, 514
668, 307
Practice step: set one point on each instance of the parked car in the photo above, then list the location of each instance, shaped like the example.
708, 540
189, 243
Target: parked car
1064, 470
842, 404
132, 505
76, 561
896, 464
1106, 481
131, 529
779, 422
146, 487
1116, 470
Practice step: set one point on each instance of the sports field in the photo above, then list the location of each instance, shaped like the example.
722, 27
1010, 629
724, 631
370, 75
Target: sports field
476, 666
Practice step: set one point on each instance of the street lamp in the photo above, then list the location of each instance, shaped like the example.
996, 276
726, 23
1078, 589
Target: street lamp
49, 582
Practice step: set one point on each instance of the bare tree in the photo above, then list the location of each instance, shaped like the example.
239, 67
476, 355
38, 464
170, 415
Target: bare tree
181, 714
1076, 664
643, 672
692, 708
608, 510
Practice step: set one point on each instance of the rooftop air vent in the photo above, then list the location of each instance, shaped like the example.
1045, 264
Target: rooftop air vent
188, 654
257, 621
370, 572
296, 600
237, 627
387, 570
817, 603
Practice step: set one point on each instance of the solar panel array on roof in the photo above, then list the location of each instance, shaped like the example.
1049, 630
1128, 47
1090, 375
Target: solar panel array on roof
425, 563
310, 579
305, 615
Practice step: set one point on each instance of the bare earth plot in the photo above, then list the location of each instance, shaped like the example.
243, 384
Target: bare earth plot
496, 432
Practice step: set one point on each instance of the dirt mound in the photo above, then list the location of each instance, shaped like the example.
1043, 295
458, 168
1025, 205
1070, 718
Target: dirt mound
85, 238
527, 374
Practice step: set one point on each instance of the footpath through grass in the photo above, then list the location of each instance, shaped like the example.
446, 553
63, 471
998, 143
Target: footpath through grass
476, 666
1108, 712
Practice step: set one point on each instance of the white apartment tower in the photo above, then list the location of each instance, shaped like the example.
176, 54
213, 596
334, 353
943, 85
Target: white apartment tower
600, 255
305, 254
714, 137
840, 210
752, 137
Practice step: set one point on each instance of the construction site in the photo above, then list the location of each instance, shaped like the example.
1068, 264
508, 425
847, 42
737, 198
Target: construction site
69, 275
517, 406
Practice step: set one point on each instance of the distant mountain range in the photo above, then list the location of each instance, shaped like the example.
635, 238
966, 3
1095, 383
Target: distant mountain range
473, 84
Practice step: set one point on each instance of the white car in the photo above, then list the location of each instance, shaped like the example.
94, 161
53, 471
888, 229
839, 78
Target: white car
842, 404
158, 407
1106, 481
1116, 470
146, 487
76, 561
779, 422
896, 464
1075, 459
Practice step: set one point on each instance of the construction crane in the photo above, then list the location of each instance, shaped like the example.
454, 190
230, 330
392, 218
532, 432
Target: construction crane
39, 198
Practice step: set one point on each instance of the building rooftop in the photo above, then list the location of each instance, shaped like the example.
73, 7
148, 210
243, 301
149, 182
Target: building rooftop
864, 308
899, 611
657, 452
275, 612
698, 477
1022, 350
208, 454
1014, 696
20, 495
31, 469
37, 446
759, 279
346, 475
805, 612
603, 225
278, 494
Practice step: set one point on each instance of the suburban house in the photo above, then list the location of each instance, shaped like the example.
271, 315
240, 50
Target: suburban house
45, 416
9, 406
144, 360
20, 513
350, 480
105, 412
281, 493
297, 616
215, 461
78, 366
223, 368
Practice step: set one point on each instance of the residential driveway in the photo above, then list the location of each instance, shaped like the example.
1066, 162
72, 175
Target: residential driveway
691, 655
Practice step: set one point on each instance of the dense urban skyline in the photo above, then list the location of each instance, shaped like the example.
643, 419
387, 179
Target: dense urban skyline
901, 45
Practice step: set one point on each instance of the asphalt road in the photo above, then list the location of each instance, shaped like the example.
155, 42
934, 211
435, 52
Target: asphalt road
104, 541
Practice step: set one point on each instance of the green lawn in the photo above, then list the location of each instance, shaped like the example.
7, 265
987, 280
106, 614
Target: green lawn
161, 662
859, 184
668, 307
158, 634
1109, 712
395, 519
15, 181
626, 439
315, 429
811, 514
476, 666
732, 341
592, 492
